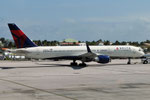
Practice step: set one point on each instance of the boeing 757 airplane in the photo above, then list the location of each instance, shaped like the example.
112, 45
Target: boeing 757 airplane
99, 54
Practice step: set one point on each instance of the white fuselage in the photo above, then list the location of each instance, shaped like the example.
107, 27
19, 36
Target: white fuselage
42, 52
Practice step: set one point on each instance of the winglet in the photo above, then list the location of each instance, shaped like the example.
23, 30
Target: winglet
88, 48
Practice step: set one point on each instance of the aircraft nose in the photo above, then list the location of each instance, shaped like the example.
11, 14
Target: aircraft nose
142, 53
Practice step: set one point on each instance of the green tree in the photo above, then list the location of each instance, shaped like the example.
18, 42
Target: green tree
2, 39
123, 43
107, 42
116, 43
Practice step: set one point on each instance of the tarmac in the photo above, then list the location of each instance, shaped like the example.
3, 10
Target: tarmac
56, 80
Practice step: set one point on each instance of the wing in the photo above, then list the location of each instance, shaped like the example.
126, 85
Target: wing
86, 57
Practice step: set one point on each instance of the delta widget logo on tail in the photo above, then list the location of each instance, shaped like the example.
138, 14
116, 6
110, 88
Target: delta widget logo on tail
21, 40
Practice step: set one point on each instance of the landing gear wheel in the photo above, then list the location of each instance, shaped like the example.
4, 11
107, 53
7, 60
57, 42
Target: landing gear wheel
145, 62
82, 64
129, 61
73, 64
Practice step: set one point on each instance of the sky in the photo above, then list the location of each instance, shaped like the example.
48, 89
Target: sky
84, 20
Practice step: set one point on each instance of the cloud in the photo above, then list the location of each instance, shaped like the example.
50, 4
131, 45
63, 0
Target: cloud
70, 20
122, 29
129, 28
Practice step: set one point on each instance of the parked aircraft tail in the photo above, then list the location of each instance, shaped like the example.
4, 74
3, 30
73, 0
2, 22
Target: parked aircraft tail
21, 40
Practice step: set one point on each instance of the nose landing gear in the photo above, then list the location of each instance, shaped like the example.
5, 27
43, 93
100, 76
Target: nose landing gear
129, 61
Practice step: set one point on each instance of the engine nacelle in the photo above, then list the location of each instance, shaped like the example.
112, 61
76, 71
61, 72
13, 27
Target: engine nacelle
102, 59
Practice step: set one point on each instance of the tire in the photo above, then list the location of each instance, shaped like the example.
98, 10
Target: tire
82, 64
73, 64
145, 62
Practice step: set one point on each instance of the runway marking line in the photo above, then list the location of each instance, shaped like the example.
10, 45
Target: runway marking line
37, 89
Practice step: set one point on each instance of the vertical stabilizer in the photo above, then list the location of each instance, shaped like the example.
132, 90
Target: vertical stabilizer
21, 40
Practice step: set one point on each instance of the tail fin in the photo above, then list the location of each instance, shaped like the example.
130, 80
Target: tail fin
21, 40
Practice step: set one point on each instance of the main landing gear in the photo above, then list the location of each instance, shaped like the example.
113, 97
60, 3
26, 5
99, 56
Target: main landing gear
129, 61
74, 63
82, 64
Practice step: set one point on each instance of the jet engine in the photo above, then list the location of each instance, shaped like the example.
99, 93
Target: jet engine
102, 59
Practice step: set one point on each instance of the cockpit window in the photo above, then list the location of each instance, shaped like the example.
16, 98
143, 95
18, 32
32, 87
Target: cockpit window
140, 49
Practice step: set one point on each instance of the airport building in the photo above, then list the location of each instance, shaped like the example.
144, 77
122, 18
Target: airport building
69, 42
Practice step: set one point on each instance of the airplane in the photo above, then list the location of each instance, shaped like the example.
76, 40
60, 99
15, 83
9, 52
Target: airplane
99, 54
